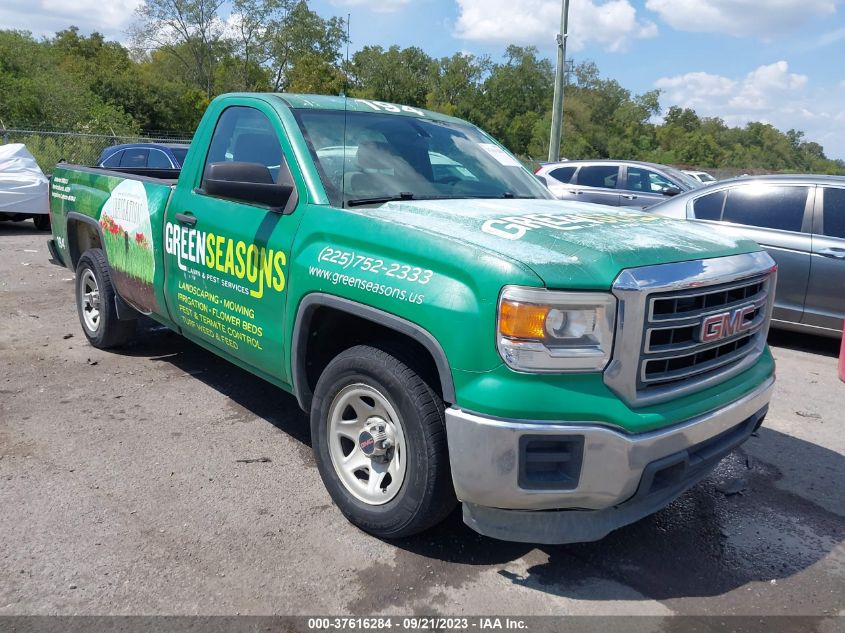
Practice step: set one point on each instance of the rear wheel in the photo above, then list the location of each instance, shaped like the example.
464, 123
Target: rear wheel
95, 303
41, 222
379, 439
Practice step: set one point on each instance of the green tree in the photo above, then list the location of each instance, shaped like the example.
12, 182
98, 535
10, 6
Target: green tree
396, 75
455, 86
190, 31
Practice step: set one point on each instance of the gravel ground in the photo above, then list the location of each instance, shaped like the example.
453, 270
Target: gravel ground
123, 492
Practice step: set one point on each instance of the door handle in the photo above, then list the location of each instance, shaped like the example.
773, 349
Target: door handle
186, 218
576, 192
837, 253
629, 196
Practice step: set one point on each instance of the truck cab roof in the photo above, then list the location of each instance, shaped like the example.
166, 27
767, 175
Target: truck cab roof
353, 104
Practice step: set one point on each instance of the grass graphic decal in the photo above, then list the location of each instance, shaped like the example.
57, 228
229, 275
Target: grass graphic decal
125, 223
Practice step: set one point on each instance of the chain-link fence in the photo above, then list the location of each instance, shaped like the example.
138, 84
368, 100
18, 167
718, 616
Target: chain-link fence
51, 147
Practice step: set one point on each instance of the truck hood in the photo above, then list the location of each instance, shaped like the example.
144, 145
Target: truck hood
567, 244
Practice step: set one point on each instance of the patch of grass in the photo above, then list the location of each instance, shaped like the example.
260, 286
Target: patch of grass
129, 253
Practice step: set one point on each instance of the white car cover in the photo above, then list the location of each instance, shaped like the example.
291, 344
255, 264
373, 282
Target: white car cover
23, 186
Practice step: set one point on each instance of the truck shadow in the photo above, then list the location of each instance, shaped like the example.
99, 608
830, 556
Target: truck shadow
23, 227
810, 343
707, 543
257, 396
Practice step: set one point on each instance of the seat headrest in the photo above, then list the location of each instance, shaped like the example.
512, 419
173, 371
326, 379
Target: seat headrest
375, 155
263, 149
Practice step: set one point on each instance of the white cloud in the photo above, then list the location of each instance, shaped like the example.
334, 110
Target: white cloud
766, 82
831, 37
378, 6
762, 89
45, 17
695, 90
740, 17
769, 94
611, 24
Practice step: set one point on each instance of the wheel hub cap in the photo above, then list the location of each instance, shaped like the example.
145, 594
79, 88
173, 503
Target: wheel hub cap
366, 443
376, 439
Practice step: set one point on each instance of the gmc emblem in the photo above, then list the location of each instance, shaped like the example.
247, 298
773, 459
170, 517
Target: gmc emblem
719, 326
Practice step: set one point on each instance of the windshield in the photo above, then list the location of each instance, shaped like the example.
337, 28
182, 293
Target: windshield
684, 180
386, 156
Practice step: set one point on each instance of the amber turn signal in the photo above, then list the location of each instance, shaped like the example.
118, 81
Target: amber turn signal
522, 320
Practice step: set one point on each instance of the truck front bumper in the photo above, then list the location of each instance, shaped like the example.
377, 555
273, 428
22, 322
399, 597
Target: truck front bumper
567, 482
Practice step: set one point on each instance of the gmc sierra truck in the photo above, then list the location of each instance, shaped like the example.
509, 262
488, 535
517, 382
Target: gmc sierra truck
561, 369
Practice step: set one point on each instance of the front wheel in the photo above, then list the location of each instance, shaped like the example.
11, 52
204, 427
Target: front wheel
95, 303
379, 439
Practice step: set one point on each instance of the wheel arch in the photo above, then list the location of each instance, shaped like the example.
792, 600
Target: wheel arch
316, 305
83, 233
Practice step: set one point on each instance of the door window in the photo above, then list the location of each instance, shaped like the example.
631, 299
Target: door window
246, 135
113, 160
640, 179
158, 160
599, 176
562, 174
134, 157
709, 207
834, 212
767, 206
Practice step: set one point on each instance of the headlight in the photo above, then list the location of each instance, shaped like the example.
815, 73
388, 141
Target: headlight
549, 331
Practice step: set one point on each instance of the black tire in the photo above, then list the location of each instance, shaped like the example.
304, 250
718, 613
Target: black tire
41, 222
108, 331
426, 495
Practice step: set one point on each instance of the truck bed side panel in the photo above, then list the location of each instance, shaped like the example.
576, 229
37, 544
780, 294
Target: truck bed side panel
128, 212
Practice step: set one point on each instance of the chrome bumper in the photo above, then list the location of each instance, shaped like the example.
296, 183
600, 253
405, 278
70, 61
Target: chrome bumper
485, 452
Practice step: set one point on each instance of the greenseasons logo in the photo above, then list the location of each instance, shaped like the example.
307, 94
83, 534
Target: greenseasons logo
515, 227
262, 268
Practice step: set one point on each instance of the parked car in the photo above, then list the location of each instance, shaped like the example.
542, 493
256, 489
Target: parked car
144, 155
800, 221
701, 176
618, 183
24, 189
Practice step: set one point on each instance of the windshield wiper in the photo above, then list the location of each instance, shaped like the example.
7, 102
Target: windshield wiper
404, 195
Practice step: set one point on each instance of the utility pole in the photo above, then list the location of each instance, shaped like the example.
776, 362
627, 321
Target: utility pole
557, 108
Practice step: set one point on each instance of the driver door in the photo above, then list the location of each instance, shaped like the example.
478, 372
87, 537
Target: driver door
228, 258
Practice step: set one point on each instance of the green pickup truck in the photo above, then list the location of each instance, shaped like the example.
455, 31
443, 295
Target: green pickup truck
456, 334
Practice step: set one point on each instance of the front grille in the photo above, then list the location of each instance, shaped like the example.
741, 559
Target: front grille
687, 326
673, 350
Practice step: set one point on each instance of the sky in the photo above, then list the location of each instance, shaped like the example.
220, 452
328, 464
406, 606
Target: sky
776, 61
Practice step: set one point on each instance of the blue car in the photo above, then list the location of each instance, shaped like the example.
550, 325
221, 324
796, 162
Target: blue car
144, 155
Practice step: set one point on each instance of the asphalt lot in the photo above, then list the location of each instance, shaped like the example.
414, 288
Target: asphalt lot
122, 492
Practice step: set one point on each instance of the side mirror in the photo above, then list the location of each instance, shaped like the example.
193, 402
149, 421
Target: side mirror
542, 179
247, 182
671, 191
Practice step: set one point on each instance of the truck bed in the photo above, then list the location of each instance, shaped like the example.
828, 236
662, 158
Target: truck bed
165, 176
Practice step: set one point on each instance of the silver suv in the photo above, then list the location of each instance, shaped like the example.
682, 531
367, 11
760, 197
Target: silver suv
615, 182
800, 221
